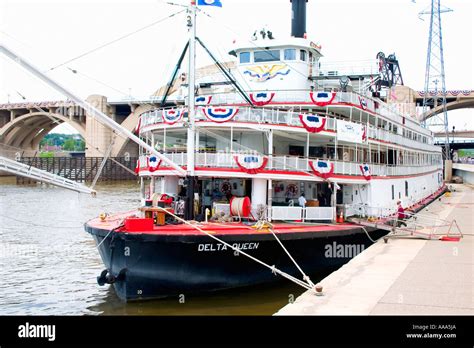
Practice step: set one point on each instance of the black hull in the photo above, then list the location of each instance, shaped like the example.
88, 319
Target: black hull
146, 266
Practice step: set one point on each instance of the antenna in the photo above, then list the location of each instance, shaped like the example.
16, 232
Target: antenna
435, 81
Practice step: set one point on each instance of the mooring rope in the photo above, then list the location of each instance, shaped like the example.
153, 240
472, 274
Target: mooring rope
307, 286
112, 230
259, 225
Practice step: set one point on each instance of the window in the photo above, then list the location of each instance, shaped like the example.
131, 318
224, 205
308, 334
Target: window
303, 55
245, 57
290, 54
393, 192
266, 56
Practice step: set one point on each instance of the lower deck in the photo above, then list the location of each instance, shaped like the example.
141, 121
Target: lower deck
114, 222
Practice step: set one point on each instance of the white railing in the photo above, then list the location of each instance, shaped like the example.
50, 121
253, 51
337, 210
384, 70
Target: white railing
319, 213
293, 163
287, 213
339, 68
153, 119
350, 210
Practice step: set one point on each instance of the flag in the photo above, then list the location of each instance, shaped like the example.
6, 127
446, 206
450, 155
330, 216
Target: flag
209, 3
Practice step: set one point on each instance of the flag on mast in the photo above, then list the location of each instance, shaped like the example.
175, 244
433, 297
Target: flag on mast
209, 3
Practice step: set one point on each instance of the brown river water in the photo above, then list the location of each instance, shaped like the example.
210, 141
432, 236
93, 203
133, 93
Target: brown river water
49, 264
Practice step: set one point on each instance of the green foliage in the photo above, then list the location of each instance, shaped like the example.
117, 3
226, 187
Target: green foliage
466, 153
69, 145
46, 154
80, 145
67, 142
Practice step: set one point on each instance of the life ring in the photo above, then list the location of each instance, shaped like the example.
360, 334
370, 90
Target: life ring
226, 186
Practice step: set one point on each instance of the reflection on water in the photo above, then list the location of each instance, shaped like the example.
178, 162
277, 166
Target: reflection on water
49, 264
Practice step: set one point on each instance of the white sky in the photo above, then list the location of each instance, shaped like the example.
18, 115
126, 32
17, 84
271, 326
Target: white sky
51, 32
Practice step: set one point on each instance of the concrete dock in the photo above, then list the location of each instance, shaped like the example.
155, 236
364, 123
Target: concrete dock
405, 276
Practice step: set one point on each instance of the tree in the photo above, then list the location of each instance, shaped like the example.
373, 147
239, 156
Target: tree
69, 145
81, 145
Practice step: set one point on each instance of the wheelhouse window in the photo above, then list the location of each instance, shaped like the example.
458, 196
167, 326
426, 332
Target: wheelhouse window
303, 55
244, 57
290, 54
266, 56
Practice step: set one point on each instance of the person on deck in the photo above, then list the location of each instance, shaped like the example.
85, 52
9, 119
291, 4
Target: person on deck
401, 215
302, 200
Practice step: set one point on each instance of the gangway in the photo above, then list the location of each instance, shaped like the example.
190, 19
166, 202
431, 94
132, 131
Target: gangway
30, 172
417, 225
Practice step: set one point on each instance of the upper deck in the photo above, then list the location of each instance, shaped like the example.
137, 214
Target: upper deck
282, 109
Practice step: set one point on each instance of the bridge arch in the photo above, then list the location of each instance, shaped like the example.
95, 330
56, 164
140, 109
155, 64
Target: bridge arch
455, 105
28, 130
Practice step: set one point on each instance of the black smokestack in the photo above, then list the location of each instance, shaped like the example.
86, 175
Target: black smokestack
298, 18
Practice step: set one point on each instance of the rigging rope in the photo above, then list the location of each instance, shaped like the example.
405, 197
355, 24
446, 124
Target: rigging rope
75, 71
115, 40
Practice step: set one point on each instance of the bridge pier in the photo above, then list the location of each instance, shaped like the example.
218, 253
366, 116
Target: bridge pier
448, 170
98, 136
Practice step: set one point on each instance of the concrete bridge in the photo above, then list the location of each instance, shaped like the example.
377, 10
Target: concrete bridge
23, 125
455, 100
457, 134
457, 140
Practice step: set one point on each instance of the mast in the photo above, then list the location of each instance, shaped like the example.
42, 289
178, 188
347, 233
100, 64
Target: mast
191, 137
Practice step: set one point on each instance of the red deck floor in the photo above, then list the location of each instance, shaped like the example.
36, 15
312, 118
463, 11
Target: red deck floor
234, 228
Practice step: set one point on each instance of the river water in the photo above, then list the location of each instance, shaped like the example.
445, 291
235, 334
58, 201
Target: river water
49, 264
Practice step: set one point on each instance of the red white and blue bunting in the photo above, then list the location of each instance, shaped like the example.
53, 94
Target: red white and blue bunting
203, 100
363, 103
220, 114
313, 123
261, 98
172, 116
322, 98
323, 169
453, 93
153, 163
251, 164
365, 169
